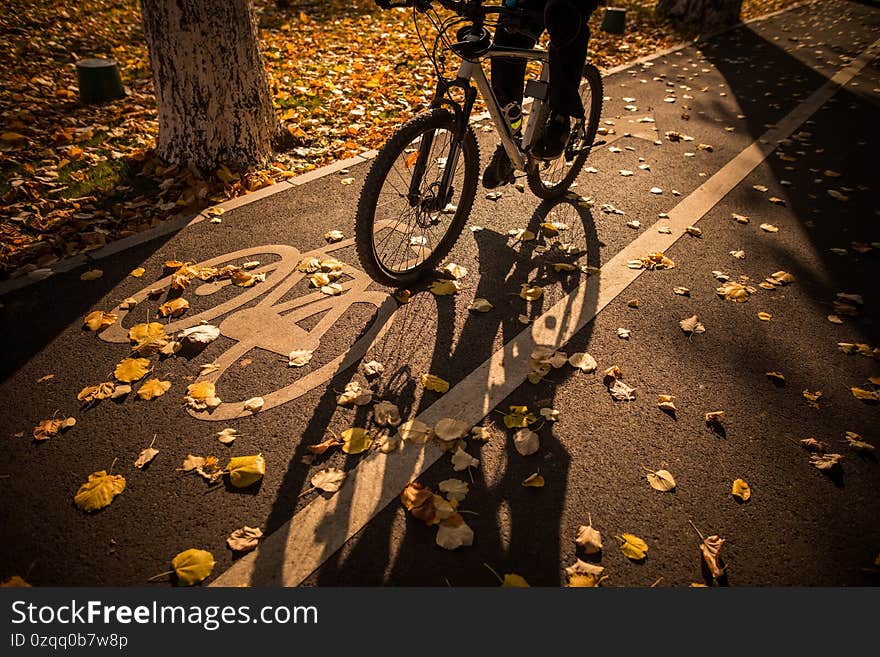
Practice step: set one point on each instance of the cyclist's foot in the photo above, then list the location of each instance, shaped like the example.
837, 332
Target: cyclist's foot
554, 139
500, 170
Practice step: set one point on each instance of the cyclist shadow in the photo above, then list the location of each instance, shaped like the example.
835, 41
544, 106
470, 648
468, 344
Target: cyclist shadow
516, 528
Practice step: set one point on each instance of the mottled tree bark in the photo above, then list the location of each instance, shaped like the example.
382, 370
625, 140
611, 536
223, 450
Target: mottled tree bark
706, 14
212, 89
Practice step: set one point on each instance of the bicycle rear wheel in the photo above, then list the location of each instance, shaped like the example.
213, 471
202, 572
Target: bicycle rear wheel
403, 229
550, 179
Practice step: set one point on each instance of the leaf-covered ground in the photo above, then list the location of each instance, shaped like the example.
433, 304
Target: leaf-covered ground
343, 74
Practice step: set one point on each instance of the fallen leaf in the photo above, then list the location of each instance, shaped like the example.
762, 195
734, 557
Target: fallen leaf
454, 270
621, 391
666, 403
764, 316
512, 580
693, 230
769, 228
445, 287
519, 417
813, 445
201, 395
449, 429
355, 394
435, 383
534, 481
776, 377
244, 471
254, 404
192, 566
299, 357
146, 455
45, 378
99, 491
855, 442
710, 548
589, 539
96, 392
200, 335
623, 333
826, 461
865, 395
526, 442
741, 490
661, 480
98, 320
174, 308
776, 201
583, 361
733, 291
681, 291
373, 368
419, 500
14, 582
244, 539
386, 414
329, 480
633, 547
531, 292
130, 370
549, 414
334, 236
480, 305
455, 489
356, 440
415, 431
153, 388
740, 218
91, 275
454, 533
120, 391
227, 436
461, 460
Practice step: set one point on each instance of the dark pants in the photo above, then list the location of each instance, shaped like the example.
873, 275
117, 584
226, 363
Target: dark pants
566, 23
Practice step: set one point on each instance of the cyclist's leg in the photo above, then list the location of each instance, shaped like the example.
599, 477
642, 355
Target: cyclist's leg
569, 36
566, 22
508, 77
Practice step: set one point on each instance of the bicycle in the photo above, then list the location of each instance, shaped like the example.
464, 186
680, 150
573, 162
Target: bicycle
430, 165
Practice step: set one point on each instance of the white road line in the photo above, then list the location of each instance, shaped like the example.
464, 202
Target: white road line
297, 549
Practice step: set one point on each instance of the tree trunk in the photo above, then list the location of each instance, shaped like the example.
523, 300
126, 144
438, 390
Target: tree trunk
212, 89
706, 14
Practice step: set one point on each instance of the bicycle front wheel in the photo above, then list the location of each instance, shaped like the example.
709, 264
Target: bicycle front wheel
551, 179
416, 199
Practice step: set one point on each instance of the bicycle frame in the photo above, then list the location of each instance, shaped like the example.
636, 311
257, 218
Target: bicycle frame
472, 70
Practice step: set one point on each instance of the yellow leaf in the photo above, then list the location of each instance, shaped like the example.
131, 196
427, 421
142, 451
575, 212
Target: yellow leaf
356, 440
98, 392
733, 291
445, 287
419, 500
519, 417
174, 308
531, 293
455, 270
192, 566
91, 275
140, 333
776, 377
534, 481
98, 319
584, 581
48, 428
13, 137
450, 428
138, 272
741, 490
245, 470
14, 582
131, 369
481, 305
435, 383
764, 317
864, 395
153, 388
633, 547
512, 580
769, 228
99, 491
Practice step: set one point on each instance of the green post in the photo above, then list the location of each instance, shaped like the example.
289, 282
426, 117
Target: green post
614, 20
99, 81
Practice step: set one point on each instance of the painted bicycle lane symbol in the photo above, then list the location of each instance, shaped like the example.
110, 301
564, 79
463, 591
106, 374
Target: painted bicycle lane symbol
272, 324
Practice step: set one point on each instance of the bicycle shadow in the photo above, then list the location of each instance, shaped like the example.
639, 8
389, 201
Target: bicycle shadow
504, 515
